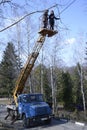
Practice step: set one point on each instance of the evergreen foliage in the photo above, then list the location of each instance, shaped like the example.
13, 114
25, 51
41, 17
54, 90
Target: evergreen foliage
67, 91
67, 85
46, 86
8, 70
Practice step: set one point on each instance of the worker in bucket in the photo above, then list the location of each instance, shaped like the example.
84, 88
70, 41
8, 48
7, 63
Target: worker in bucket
45, 19
52, 20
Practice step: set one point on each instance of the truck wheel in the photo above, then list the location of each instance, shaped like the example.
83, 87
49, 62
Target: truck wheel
26, 122
48, 121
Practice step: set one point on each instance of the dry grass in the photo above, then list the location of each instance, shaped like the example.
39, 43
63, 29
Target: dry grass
4, 101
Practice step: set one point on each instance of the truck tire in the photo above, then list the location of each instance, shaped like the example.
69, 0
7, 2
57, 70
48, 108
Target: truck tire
48, 121
26, 122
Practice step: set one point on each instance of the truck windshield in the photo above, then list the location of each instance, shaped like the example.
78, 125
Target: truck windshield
32, 98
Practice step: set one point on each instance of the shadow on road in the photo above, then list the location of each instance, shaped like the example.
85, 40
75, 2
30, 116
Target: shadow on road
42, 125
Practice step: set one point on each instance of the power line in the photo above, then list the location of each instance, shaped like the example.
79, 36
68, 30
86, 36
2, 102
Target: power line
68, 6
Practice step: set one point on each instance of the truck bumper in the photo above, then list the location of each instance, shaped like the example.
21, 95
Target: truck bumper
41, 118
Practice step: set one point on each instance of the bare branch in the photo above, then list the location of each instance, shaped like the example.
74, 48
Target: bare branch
4, 1
23, 17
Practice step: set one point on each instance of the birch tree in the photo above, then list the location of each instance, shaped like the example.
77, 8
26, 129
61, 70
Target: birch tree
79, 57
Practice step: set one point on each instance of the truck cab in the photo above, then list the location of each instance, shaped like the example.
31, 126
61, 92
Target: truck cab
32, 108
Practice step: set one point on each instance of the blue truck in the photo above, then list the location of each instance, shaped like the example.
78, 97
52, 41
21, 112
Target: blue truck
30, 107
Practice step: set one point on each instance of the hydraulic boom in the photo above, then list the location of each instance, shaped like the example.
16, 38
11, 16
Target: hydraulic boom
30, 62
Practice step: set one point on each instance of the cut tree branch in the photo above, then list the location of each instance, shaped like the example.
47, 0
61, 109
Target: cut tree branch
23, 17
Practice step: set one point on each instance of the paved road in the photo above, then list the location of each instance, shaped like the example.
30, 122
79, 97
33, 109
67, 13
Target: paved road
55, 125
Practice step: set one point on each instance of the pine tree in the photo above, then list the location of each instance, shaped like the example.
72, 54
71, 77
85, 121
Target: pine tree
8, 69
46, 86
67, 91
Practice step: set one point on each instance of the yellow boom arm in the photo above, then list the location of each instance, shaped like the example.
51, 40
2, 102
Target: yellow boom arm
20, 83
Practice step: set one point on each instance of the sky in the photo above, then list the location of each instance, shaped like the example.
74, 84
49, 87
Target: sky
72, 28
75, 17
